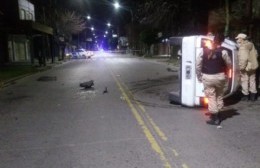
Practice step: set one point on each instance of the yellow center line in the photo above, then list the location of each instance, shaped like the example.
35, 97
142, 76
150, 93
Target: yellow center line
185, 166
175, 152
156, 128
154, 144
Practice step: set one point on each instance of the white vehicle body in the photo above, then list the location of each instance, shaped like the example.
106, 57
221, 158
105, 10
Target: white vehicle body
191, 91
84, 53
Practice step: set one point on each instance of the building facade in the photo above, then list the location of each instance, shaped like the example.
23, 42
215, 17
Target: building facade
23, 39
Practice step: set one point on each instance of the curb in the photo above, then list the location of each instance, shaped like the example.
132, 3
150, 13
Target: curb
12, 80
40, 69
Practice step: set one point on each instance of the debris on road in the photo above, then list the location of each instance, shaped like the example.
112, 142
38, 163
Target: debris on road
87, 84
105, 90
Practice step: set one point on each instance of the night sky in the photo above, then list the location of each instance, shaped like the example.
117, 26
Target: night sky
101, 12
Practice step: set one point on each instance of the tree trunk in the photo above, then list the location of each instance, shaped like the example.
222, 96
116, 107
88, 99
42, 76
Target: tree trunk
62, 52
226, 33
249, 16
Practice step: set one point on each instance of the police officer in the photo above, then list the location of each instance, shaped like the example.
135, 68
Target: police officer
247, 56
211, 68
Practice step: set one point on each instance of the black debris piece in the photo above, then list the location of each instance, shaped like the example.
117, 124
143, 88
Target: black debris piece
105, 90
87, 84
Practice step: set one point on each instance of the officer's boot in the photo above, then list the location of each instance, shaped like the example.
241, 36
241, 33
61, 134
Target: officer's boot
252, 96
244, 97
214, 119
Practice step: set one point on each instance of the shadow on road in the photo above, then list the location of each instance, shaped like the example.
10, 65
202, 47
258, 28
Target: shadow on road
233, 99
228, 113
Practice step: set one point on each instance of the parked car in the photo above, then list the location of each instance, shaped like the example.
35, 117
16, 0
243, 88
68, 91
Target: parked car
80, 54
74, 55
84, 53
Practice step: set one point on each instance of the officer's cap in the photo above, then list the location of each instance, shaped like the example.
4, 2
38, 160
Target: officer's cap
241, 35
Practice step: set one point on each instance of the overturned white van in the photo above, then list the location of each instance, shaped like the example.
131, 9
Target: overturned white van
191, 91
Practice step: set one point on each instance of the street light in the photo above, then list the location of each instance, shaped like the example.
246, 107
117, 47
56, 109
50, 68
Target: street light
117, 5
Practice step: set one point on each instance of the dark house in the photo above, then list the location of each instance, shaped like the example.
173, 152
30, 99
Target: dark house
23, 39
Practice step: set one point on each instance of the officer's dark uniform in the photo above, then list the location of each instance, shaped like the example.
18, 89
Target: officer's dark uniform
211, 66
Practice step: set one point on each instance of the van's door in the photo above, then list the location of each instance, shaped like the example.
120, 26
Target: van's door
201, 42
234, 73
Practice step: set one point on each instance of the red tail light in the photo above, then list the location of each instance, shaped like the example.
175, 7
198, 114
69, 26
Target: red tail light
204, 101
230, 73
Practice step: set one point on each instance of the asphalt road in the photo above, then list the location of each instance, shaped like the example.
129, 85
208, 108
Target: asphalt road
48, 121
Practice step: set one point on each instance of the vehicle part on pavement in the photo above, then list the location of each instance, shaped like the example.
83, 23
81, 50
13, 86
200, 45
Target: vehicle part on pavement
87, 84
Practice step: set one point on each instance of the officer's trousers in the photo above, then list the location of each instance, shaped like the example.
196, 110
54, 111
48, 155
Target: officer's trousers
248, 82
214, 86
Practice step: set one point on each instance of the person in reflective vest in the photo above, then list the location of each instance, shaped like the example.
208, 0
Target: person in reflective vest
211, 67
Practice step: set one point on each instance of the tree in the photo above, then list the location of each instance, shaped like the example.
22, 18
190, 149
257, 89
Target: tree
227, 16
65, 24
179, 17
69, 23
148, 37
235, 16
160, 14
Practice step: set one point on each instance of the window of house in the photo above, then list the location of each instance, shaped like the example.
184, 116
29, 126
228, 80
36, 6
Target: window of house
30, 16
18, 48
22, 14
27, 15
26, 9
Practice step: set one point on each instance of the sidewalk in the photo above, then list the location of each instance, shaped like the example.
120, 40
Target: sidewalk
10, 78
172, 63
